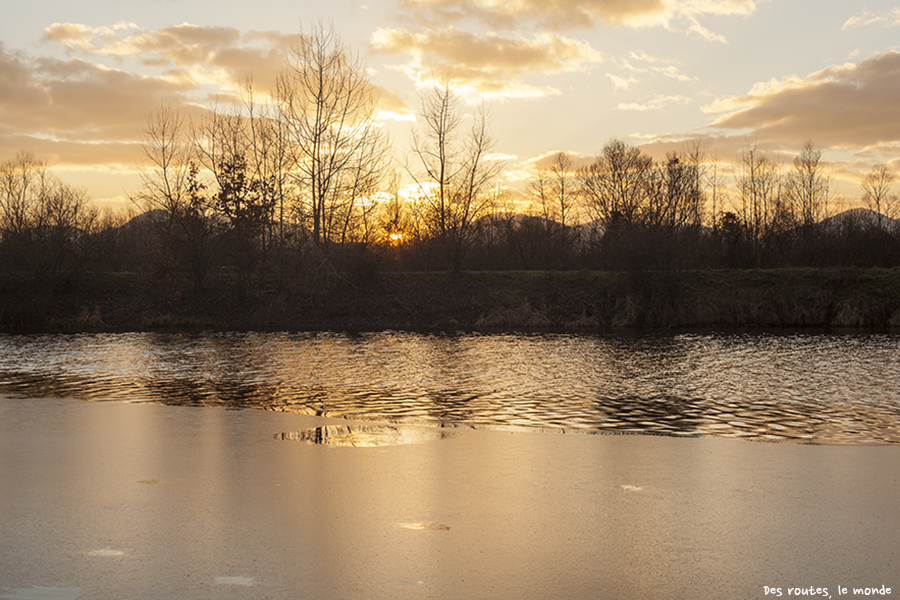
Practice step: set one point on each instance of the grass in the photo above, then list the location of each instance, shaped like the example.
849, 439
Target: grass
574, 300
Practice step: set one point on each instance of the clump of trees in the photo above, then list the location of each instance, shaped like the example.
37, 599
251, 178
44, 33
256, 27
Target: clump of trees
46, 225
297, 186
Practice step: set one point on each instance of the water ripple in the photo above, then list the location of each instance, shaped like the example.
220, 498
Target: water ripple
800, 388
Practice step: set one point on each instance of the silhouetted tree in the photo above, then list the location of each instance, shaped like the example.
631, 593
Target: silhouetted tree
877, 194
554, 188
339, 150
807, 186
454, 173
188, 230
45, 223
616, 184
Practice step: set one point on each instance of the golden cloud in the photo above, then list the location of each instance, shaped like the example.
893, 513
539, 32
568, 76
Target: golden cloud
564, 14
60, 105
490, 65
654, 103
890, 18
182, 48
852, 105
79, 110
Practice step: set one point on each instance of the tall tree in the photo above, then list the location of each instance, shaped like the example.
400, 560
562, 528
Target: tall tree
554, 188
807, 186
330, 112
45, 223
454, 172
877, 193
616, 185
758, 189
171, 183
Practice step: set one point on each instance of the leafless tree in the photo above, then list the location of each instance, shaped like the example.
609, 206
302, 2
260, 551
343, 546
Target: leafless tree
454, 173
676, 195
554, 189
45, 223
330, 113
168, 153
171, 183
758, 186
877, 193
616, 184
807, 186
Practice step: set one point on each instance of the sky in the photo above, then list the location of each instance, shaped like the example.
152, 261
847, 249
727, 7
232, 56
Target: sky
78, 79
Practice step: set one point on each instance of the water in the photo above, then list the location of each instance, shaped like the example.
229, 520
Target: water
802, 388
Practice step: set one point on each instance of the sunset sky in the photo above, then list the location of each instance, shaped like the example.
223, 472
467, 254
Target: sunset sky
77, 79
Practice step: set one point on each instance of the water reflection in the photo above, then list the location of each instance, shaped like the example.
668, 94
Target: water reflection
803, 388
364, 435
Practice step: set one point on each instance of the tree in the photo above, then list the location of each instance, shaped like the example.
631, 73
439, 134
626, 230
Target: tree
168, 154
877, 194
758, 189
45, 223
246, 190
616, 185
454, 175
807, 186
339, 151
171, 183
554, 188
675, 198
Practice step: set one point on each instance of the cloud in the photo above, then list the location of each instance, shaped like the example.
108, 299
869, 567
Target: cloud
566, 14
654, 103
490, 64
889, 18
76, 112
547, 159
850, 105
640, 65
91, 106
188, 52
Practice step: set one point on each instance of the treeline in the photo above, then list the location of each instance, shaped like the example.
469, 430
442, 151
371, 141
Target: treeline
299, 186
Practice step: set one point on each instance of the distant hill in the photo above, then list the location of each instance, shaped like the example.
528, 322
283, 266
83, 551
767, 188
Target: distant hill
862, 218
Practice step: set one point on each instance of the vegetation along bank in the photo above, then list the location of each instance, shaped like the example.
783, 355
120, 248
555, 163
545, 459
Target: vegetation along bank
489, 300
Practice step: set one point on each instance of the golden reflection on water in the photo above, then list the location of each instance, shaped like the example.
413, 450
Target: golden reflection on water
425, 526
799, 388
364, 436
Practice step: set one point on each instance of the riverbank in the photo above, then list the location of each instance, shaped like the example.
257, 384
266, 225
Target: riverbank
795, 298
107, 500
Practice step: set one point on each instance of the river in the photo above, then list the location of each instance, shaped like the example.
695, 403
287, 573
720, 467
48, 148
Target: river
789, 387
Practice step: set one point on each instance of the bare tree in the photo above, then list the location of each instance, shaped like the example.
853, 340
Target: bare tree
339, 151
676, 195
758, 187
171, 183
807, 186
616, 184
877, 194
454, 174
168, 154
554, 188
45, 223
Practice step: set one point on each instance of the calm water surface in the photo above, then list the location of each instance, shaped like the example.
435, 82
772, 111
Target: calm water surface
809, 388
